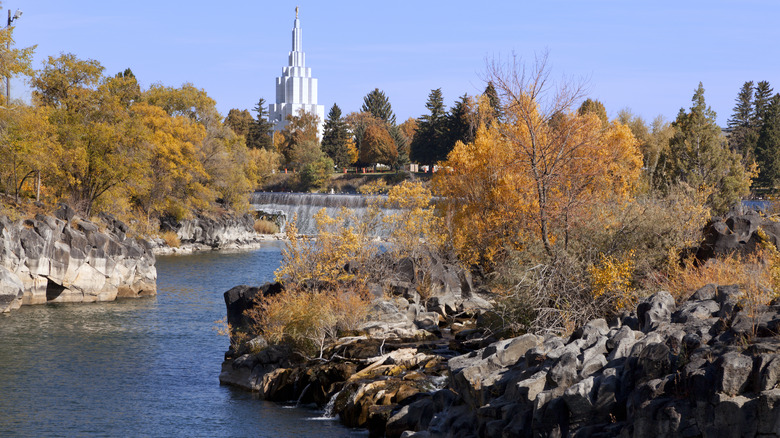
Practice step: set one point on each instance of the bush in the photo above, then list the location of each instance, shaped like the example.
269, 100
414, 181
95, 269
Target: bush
171, 239
263, 226
306, 319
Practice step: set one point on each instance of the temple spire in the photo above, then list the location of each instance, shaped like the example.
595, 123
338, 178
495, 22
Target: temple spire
296, 89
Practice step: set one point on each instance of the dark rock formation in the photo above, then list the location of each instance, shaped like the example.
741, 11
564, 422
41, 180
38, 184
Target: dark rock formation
68, 259
207, 233
706, 368
738, 233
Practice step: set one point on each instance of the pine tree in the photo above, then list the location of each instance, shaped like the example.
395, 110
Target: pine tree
336, 139
259, 136
377, 103
761, 103
429, 145
495, 102
743, 134
768, 146
698, 157
459, 123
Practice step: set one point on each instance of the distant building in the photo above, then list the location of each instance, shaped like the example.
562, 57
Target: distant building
295, 89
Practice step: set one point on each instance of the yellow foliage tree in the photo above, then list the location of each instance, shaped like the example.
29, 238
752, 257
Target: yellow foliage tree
535, 170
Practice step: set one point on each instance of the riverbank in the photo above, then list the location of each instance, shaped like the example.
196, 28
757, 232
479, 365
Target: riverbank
708, 367
64, 258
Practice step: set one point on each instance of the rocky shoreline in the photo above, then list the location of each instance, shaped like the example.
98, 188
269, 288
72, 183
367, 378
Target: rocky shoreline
708, 367
204, 233
64, 258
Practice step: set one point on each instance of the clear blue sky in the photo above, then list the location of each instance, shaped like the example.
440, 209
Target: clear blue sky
648, 56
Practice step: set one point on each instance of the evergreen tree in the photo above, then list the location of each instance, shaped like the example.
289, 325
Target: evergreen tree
259, 136
377, 103
495, 102
768, 146
761, 103
698, 157
336, 142
430, 142
459, 123
743, 134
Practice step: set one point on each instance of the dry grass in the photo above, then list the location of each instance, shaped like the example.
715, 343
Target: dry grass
171, 239
757, 275
263, 226
306, 320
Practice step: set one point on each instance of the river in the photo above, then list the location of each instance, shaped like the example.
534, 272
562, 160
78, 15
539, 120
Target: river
142, 367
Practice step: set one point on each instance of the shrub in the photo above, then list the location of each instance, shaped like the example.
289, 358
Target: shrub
171, 239
263, 226
306, 319
611, 282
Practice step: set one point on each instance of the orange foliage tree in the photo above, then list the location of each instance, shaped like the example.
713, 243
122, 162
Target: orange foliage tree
535, 173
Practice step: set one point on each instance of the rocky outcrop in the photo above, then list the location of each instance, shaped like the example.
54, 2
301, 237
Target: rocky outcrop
708, 367
207, 233
68, 259
738, 233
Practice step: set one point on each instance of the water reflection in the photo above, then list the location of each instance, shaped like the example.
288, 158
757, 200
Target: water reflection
145, 367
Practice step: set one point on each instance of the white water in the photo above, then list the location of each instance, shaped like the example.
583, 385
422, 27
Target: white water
306, 205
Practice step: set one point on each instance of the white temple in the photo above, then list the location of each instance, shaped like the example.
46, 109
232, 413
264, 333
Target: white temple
295, 89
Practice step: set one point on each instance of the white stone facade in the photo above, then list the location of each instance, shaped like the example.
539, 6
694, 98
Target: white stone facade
295, 89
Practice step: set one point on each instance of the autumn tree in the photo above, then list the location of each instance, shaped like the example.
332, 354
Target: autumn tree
653, 140
91, 123
240, 121
698, 157
377, 145
531, 176
27, 146
13, 61
408, 129
595, 107
301, 146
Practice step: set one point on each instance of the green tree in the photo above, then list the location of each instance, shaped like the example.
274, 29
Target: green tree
459, 122
493, 100
336, 139
377, 103
595, 107
260, 133
699, 157
761, 99
768, 147
743, 133
431, 140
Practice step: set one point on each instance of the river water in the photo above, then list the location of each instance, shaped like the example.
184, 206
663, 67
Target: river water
142, 367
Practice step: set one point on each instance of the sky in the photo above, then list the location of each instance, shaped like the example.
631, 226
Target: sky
646, 56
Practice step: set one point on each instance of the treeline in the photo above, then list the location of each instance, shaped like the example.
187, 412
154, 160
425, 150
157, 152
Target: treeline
102, 143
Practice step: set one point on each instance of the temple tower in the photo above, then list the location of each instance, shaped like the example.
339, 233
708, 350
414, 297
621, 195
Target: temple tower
295, 89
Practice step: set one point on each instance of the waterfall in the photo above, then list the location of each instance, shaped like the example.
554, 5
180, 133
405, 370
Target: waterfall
306, 205
330, 407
